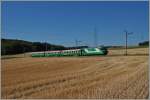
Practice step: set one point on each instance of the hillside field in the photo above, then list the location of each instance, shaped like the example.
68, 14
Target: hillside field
114, 76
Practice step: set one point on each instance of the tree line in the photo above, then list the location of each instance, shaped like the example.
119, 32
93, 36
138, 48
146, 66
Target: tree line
145, 43
14, 46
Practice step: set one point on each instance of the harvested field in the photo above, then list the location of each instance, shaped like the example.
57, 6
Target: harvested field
106, 77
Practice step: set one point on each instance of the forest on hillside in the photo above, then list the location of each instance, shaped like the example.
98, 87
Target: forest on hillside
13, 46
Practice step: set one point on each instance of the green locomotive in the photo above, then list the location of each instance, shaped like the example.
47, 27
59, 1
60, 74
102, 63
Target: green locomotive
73, 52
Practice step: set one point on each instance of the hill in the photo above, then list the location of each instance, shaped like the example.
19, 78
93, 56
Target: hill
14, 46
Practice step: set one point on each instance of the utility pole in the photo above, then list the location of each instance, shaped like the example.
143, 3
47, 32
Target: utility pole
24, 50
45, 49
4, 51
95, 37
141, 37
126, 42
126, 36
45, 45
76, 42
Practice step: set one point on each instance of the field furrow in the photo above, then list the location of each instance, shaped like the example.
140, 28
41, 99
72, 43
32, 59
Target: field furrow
124, 77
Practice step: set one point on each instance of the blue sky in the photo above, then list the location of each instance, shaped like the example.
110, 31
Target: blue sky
64, 22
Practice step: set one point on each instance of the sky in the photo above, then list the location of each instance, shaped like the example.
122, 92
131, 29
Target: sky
63, 22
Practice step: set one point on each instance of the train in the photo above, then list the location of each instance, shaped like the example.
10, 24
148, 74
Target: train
72, 52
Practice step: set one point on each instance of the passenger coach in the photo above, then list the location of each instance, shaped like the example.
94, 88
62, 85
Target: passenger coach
73, 52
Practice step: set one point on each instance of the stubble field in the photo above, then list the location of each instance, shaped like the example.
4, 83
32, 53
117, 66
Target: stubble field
105, 77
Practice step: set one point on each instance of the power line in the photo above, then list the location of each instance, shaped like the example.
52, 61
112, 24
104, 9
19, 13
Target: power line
45, 49
142, 37
77, 42
126, 41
